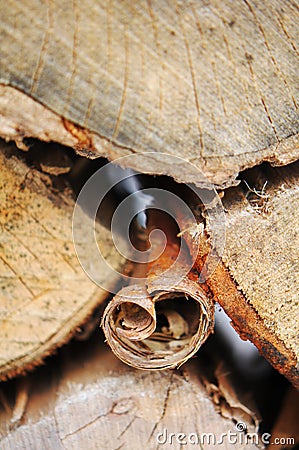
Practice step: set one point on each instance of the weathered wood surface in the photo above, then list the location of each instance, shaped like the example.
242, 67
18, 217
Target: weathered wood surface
215, 82
259, 286
45, 295
257, 282
262, 250
89, 399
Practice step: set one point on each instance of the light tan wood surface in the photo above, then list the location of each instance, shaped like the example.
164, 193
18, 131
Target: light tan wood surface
215, 82
45, 294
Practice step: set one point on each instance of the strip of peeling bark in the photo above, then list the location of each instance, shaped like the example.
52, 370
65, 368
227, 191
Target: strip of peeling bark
247, 321
162, 321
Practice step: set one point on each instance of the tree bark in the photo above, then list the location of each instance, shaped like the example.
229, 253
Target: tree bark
261, 255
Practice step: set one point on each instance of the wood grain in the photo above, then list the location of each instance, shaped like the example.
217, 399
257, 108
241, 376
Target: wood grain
90, 399
258, 284
215, 82
262, 251
45, 295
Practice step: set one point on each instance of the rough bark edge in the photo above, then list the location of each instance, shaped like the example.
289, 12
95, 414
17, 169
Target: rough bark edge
21, 117
250, 326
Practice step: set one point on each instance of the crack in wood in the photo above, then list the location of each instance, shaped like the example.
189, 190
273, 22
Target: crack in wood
167, 394
157, 43
127, 427
125, 86
262, 99
86, 425
74, 64
194, 88
44, 48
267, 45
18, 276
290, 41
218, 88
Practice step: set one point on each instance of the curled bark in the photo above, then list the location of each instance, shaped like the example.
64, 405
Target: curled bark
162, 321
